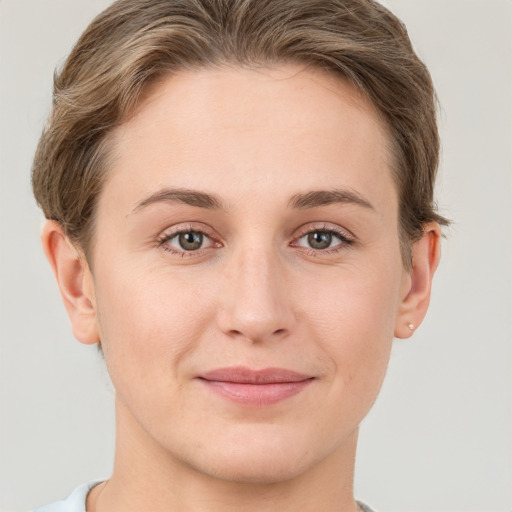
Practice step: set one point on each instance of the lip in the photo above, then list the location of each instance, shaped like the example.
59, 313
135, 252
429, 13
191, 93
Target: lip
256, 388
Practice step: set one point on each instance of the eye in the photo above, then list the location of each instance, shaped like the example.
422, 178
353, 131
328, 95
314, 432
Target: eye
186, 241
326, 240
319, 239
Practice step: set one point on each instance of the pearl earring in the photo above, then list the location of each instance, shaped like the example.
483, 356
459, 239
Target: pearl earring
411, 327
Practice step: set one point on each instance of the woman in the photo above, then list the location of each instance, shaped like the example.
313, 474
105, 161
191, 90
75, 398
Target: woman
240, 212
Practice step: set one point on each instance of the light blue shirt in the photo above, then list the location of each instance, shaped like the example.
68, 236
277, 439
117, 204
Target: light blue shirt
76, 501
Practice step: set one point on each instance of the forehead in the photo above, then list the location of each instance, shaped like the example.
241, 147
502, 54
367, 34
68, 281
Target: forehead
278, 130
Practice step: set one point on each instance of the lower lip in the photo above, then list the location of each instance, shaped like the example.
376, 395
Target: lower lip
256, 395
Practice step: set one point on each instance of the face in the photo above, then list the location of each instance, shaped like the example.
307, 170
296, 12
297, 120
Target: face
246, 270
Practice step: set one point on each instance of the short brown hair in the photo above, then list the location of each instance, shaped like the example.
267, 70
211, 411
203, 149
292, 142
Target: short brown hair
133, 43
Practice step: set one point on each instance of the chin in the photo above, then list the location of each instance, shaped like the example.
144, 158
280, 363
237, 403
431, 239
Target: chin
251, 468
256, 457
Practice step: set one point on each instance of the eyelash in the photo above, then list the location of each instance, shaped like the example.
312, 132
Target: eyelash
345, 241
164, 239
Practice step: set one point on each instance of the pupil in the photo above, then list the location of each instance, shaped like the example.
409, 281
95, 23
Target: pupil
320, 239
191, 240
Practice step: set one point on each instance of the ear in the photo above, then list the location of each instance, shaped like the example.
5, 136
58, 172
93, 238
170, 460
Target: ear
417, 282
74, 280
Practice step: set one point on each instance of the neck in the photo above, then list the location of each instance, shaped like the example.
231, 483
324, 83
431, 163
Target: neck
147, 477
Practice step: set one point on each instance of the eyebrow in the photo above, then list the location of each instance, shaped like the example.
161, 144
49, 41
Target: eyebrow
182, 195
306, 200
326, 197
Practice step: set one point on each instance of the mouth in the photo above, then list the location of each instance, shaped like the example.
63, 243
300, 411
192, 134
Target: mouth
256, 388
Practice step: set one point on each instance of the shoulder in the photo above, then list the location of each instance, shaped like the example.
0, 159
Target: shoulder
75, 502
364, 507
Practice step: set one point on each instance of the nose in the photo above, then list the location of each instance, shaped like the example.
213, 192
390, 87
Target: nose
255, 301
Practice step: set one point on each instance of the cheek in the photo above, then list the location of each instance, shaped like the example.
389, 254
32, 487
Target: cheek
353, 322
148, 323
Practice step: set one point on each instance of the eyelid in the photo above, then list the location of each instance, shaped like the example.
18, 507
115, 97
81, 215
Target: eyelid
170, 233
345, 236
325, 226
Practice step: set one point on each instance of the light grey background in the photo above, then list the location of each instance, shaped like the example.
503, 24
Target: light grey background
440, 436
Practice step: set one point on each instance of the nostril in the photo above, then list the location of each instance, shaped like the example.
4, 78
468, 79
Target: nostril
256, 336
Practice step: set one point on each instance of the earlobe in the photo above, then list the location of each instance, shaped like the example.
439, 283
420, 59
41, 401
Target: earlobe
413, 307
74, 279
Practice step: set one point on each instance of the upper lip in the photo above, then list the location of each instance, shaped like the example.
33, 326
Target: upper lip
243, 375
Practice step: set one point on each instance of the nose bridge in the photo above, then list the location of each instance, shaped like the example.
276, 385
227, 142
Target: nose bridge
255, 296
256, 269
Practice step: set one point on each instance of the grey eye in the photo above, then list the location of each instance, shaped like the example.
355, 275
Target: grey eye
319, 239
190, 241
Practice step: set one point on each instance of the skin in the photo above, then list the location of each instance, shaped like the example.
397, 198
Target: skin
256, 294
